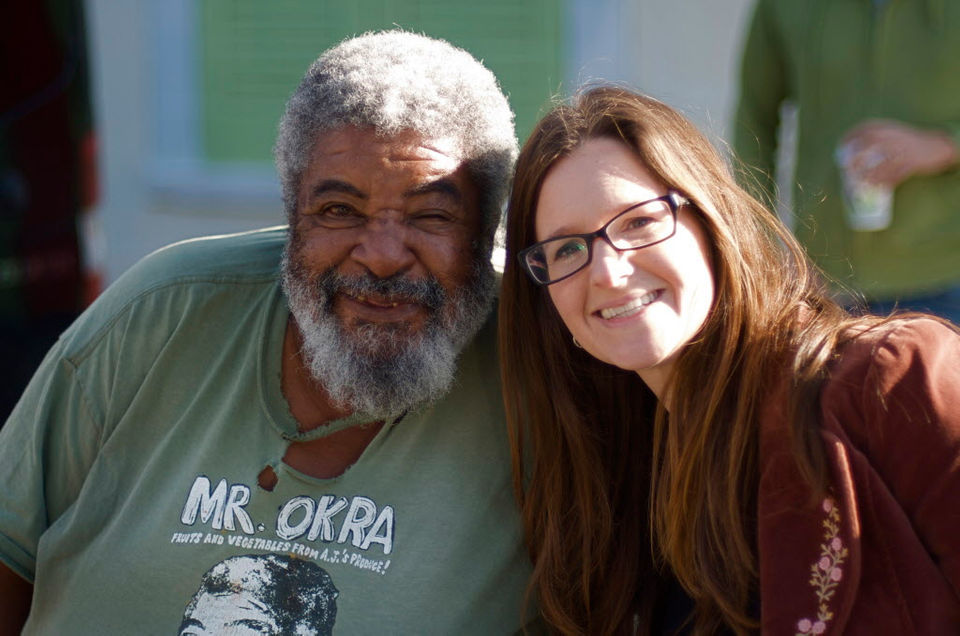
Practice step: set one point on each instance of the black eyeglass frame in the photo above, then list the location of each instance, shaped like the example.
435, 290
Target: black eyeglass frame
674, 201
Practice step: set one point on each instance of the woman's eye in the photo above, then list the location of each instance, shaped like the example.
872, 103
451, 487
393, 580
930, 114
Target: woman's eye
569, 249
637, 223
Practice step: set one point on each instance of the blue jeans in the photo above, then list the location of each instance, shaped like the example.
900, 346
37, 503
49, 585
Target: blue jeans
945, 304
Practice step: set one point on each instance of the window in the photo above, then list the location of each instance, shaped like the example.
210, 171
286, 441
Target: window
226, 67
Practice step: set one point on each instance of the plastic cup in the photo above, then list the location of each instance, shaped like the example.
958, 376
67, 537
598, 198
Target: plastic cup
869, 206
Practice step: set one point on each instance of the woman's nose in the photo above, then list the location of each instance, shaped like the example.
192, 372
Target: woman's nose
609, 267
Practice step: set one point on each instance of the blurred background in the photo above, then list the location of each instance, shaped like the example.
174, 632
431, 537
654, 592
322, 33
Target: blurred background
187, 93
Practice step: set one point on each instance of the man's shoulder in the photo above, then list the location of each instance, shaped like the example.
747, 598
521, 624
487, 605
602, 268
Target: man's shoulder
479, 363
246, 257
190, 271
243, 256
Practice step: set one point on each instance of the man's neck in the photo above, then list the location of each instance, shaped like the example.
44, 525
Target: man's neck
309, 403
331, 455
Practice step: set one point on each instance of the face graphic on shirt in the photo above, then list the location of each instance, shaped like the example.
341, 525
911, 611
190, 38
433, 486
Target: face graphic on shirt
262, 594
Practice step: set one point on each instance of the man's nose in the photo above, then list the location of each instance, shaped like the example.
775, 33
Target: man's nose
383, 247
609, 267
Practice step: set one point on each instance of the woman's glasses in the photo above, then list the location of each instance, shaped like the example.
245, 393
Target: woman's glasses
640, 225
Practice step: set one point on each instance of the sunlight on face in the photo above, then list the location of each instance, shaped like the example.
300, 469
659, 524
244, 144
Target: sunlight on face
634, 309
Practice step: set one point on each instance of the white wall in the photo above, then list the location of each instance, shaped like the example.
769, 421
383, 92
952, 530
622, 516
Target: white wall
139, 210
681, 51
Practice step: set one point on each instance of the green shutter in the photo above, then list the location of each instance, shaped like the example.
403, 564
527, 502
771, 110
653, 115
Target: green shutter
253, 53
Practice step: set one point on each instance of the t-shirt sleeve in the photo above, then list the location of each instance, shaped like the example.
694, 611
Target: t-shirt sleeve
910, 398
46, 449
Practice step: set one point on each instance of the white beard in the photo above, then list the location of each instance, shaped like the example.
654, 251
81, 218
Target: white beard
383, 370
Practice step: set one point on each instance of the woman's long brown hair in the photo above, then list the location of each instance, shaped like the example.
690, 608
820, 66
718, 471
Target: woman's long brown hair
613, 491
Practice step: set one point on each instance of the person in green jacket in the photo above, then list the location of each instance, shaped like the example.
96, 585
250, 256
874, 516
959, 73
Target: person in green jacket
877, 88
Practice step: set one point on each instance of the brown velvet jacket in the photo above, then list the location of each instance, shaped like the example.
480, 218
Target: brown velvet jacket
880, 554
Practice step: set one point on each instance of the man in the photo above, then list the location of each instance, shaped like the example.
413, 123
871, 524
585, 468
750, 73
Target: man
879, 81
348, 416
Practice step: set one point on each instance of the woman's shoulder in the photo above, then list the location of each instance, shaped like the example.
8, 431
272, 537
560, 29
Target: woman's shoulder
903, 371
897, 345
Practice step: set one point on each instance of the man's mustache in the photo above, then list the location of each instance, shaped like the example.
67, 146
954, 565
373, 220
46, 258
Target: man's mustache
398, 288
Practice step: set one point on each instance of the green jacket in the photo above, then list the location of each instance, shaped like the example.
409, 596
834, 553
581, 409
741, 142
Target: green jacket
841, 62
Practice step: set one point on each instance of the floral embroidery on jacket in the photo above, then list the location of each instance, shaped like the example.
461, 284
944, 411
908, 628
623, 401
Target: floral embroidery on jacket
826, 572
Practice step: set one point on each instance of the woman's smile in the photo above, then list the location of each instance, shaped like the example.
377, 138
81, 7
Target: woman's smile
630, 308
633, 308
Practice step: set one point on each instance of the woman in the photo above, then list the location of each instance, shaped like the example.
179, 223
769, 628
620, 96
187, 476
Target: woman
703, 441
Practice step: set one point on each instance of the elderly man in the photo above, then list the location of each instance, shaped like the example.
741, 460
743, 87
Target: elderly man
325, 393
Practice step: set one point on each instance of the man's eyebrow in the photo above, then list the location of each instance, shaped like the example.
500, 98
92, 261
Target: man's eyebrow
336, 185
440, 186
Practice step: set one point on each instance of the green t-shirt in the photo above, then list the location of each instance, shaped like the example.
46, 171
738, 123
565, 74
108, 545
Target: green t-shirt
130, 468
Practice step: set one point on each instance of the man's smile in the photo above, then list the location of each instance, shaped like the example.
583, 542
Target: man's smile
372, 308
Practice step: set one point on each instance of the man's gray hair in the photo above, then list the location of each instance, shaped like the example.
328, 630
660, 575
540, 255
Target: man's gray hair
394, 81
